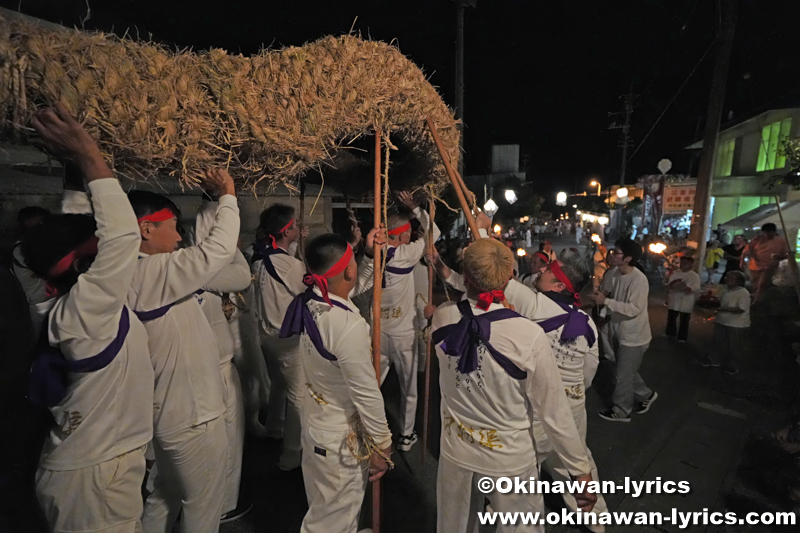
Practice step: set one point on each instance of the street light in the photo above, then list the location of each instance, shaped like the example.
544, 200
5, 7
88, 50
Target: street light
622, 192
574, 206
602, 221
561, 198
490, 208
511, 196
597, 184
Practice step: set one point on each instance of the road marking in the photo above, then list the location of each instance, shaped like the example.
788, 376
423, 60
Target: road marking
721, 410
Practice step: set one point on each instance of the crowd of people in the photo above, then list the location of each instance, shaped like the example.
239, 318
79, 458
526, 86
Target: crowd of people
135, 360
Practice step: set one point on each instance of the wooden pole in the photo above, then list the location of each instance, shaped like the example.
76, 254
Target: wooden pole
426, 408
453, 175
792, 259
376, 318
302, 243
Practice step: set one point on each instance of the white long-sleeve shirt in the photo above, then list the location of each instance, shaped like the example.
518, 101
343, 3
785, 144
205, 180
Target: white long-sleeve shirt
630, 323
487, 414
577, 362
738, 298
233, 277
339, 389
183, 348
106, 413
397, 301
677, 300
272, 298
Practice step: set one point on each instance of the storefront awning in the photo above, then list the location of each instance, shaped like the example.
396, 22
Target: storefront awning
767, 213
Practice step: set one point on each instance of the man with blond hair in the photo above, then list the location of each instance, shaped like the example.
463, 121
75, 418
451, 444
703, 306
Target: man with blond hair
497, 373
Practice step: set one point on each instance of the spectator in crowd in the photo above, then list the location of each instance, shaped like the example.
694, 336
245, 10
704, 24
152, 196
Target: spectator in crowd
765, 252
733, 254
682, 289
713, 256
730, 329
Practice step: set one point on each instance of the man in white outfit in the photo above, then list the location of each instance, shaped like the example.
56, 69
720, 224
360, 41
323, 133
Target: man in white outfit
682, 286
97, 378
190, 437
626, 301
233, 277
492, 387
279, 278
342, 399
398, 311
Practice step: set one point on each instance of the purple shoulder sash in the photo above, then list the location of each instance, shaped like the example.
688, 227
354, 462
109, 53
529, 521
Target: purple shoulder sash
147, 316
299, 320
263, 253
393, 269
576, 324
462, 339
49, 371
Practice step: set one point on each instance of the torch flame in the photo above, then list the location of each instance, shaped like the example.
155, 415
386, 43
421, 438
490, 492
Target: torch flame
520, 252
658, 247
596, 238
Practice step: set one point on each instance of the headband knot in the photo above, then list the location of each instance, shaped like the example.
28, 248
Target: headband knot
555, 268
321, 281
280, 231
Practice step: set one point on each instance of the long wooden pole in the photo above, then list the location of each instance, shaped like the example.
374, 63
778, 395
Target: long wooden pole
302, 247
792, 259
453, 175
426, 408
376, 317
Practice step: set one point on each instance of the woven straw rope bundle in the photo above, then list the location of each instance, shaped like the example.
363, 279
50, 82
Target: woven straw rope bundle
274, 116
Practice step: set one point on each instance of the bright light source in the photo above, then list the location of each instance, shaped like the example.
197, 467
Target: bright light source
574, 206
596, 238
527, 218
593, 183
490, 208
602, 220
622, 192
578, 213
511, 196
521, 252
521, 220
561, 198
658, 247
497, 228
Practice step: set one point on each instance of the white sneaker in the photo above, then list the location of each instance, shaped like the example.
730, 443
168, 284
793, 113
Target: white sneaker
406, 442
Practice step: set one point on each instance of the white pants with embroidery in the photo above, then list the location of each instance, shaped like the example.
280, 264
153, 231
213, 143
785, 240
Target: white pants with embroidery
459, 500
105, 497
234, 428
335, 482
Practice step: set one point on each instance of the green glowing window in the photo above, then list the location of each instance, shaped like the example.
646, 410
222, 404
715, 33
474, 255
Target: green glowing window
725, 158
770, 154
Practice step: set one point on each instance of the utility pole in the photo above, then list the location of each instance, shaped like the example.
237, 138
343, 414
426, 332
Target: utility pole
702, 198
626, 141
460, 5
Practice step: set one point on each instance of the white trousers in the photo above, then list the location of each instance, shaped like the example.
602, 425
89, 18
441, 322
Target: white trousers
285, 396
400, 352
234, 429
335, 482
105, 497
191, 476
459, 500
550, 461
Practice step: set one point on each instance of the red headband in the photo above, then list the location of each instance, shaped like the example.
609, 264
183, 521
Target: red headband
543, 256
287, 226
487, 298
397, 231
322, 281
158, 216
555, 268
87, 248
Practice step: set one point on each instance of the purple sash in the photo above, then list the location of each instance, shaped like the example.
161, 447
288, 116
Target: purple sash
299, 320
263, 253
576, 324
147, 316
48, 378
394, 270
462, 339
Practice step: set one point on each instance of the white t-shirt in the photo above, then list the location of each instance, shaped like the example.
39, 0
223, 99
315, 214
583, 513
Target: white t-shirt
487, 414
677, 300
738, 298
630, 323
184, 350
109, 412
336, 390
397, 301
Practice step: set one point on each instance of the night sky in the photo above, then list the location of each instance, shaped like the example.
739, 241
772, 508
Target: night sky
541, 74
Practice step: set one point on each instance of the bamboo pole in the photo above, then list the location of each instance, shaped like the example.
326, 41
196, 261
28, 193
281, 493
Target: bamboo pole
792, 259
376, 317
302, 247
453, 175
428, 346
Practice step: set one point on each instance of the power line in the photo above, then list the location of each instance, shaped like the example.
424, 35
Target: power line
673, 98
